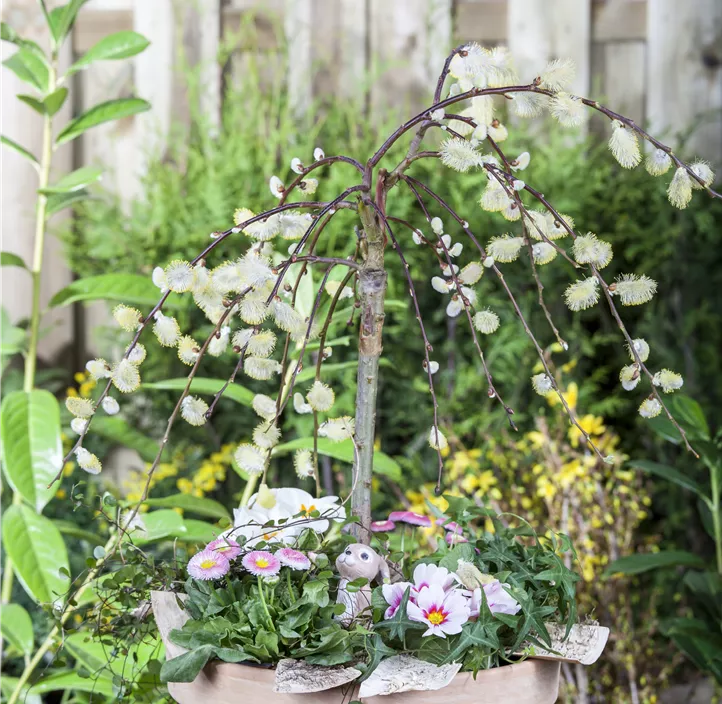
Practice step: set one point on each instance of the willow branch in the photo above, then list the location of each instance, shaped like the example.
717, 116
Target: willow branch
527, 329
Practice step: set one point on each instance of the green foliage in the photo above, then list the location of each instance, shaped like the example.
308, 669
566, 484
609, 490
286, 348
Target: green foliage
34, 545
533, 572
344, 451
31, 448
38, 554
697, 636
256, 620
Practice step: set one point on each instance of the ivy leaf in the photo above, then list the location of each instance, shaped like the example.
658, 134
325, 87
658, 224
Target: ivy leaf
463, 551
399, 623
377, 650
478, 633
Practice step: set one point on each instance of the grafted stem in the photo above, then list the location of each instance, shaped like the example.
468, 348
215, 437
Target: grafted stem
372, 288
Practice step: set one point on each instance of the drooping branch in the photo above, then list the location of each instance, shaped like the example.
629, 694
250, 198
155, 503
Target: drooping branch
525, 324
492, 391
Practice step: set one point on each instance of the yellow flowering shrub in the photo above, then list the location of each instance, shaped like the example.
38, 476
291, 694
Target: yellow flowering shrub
552, 479
206, 478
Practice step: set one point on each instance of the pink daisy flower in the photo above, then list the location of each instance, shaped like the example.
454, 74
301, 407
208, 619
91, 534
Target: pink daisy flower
414, 519
432, 575
225, 546
382, 526
261, 563
443, 612
450, 526
454, 539
394, 595
293, 558
208, 564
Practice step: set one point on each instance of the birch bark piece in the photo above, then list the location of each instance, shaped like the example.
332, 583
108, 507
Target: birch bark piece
404, 673
300, 677
168, 616
584, 644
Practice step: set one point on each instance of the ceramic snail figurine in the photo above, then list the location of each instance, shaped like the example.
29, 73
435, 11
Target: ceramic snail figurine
356, 561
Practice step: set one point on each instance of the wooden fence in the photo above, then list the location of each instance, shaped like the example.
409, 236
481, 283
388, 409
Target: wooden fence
658, 61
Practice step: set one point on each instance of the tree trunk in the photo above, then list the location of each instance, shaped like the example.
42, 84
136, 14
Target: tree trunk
372, 288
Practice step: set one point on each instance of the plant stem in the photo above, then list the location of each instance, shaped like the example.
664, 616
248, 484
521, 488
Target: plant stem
50, 640
248, 491
290, 587
35, 273
265, 606
372, 287
39, 243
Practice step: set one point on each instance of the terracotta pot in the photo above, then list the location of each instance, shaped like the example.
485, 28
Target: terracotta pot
528, 682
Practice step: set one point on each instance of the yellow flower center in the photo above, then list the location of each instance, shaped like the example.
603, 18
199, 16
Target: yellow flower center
435, 617
307, 511
207, 564
268, 536
262, 562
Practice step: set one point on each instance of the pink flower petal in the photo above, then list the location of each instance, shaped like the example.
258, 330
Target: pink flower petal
208, 564
293, 558
261, 563
382, 526
414, 519
225, 546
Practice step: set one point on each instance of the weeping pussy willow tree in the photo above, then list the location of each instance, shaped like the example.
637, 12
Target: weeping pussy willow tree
252, 300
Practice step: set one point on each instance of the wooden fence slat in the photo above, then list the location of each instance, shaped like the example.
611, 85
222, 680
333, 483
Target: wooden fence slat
354, 59
539, 31
398, 34
154, 76
210, 30
684, 73
297, 27
439, 23
617, 20
624, 72
484, 23
529, 36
